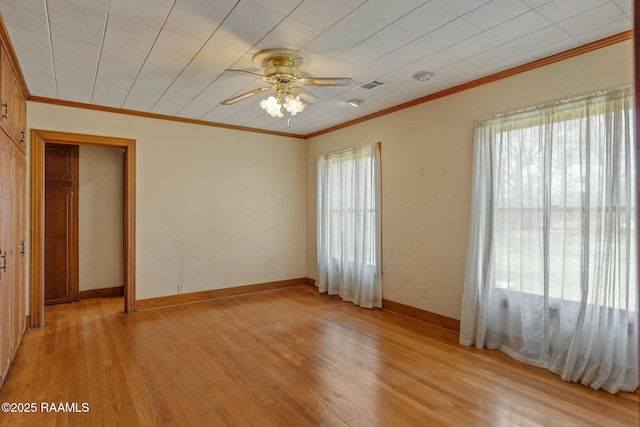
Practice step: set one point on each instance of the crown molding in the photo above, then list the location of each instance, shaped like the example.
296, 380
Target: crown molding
580, 50
102, 108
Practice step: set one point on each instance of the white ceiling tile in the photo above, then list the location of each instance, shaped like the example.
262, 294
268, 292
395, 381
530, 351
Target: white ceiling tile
440, 59
361, 54
624, 24
80, 13
170, 54
338, 68
595, 18
327, 92
262, 121
408, 86
281, 7
392, 80
452, 33
390, 63
353, 4
541, 38
31, 6
322, 14
246, 25
424, 19
535, 3
559, 10
226, 37
118, 67
70, 32
553, 48
411, 52
389, 10
456, 53
216, 10
476, 44
75, 65
459, 68
357, 26
192, 25
389, 38
460, 7
519, 26
142, 11
226, 86
498, 54
496, 12
513, 61
249, 113
289, 34
222, 113
206, 67
626, 6
76, 46
329, 44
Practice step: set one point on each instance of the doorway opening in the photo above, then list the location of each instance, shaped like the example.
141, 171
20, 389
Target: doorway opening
39, 139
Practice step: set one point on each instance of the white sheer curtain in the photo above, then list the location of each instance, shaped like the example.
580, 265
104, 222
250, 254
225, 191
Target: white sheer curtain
552, 266
349, 250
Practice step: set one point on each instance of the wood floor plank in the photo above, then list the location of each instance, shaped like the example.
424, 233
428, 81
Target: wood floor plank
283, 358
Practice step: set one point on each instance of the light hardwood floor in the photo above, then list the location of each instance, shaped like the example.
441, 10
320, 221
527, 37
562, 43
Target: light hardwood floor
287, 357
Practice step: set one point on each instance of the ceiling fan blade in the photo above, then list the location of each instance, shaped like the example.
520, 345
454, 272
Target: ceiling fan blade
245, 95
304, 95
326, 81
250, 74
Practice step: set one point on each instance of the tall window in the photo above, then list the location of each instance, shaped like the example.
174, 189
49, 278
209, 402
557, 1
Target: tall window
552, 263
349, 225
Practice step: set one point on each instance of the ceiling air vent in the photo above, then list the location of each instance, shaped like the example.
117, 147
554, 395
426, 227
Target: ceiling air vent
370, 85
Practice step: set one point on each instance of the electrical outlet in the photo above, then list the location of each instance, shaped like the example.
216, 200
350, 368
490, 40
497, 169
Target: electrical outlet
424, 292
181, 288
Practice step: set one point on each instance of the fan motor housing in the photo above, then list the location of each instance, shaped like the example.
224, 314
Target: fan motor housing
282, 69
282, 64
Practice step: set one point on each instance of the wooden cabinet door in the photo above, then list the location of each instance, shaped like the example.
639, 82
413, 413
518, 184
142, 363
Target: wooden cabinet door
18, 112
6, 280
6, 84
19, 246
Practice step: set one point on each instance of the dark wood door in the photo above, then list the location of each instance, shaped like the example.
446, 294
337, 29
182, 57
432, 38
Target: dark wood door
61, 224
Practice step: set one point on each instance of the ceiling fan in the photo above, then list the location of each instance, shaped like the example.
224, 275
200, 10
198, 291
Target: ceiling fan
282, 71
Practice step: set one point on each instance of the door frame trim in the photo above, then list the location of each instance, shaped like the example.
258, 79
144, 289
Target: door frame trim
38, 140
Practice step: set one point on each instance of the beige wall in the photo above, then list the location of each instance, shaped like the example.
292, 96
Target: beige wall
100, 225
216, 208
426, 172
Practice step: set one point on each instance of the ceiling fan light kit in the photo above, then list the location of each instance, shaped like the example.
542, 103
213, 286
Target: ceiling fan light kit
281, 69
